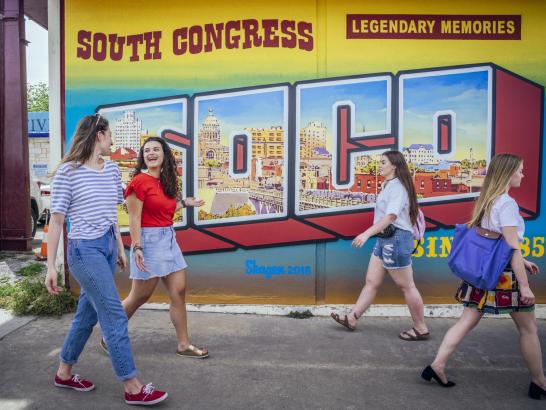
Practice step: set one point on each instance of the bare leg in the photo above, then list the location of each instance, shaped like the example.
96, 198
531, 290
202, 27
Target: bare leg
141, 290
176, 286
530, 345
374, 279
403, 277
454, 336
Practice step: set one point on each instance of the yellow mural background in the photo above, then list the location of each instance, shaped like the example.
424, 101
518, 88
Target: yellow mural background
333, 54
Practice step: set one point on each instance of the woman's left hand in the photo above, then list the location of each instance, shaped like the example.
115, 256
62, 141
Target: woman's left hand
122, 258
531, 267
195, 202
360, 240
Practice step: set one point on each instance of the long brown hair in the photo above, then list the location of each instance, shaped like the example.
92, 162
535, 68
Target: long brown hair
167, 176
497, 181
403, 174
84, 139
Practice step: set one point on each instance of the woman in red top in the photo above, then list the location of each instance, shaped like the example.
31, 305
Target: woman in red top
152, 199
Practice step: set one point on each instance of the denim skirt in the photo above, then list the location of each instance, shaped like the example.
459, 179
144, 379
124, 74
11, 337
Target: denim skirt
162, 255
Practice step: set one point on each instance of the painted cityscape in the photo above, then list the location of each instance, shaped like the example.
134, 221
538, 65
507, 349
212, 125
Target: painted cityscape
455, 174
131, 125
261, 192
459, 101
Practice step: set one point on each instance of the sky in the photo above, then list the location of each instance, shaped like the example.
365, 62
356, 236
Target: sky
153, 118
463, 93
370, 99
252, 110
37, 55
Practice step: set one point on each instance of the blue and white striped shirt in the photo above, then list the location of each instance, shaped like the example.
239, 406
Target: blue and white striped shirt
88, 198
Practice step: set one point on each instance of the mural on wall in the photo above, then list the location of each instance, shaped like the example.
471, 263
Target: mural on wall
131, 125
287, 154
242, 155
241, 139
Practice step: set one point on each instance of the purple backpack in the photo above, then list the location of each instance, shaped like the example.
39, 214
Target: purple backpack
419, 227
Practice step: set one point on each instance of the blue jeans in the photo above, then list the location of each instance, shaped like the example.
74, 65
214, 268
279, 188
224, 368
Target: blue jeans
92, 263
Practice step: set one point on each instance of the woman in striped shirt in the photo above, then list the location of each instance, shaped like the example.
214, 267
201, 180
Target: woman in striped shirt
86, 189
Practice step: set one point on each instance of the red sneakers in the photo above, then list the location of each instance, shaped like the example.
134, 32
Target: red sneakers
147, 396
75, 382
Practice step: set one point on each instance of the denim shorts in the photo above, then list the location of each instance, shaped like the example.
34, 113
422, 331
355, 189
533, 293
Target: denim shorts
395, 252
162, 255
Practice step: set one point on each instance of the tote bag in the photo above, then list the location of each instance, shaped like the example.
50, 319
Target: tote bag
479, 256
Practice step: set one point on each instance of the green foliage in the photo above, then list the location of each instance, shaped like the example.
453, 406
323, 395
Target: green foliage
29, 296
38, 97
244, 210
212, 163
31, 270
306, 314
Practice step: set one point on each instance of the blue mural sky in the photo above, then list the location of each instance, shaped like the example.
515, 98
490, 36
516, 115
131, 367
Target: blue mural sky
234, 113
463, 93
370, 100
153, 118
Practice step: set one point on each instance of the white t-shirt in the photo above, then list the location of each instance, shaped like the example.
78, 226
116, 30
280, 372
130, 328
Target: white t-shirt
505, 212
393, 199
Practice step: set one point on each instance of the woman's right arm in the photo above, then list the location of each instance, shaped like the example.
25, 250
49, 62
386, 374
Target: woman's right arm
510, 234
134, 206
56, 224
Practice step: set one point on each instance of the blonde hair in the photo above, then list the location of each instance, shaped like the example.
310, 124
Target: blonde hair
497, 181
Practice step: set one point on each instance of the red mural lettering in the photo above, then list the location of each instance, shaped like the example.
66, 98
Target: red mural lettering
152, 40
196, 39
100, 44
84, 39
115, 40
232, 41
271, 39
270, 33
288, 27
252, 38
134, 41
180, 41
305, 30
213, 36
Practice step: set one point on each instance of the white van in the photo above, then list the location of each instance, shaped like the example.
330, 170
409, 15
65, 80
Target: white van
37, 207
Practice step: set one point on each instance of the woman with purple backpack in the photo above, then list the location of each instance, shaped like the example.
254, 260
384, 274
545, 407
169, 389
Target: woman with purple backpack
396, 214
498, 212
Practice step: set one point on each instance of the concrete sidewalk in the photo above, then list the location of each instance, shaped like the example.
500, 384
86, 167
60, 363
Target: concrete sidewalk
274, 363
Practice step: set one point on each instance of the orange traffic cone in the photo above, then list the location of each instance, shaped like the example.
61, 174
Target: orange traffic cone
42, 256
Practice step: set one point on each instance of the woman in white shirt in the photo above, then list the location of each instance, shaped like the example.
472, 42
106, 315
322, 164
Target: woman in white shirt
497, 211
395, 214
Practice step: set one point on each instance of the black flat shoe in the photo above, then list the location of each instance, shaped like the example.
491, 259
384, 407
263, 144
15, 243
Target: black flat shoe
429, 374
535, 391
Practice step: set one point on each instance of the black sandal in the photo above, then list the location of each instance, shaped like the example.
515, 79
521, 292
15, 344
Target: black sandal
344, 322
410, 338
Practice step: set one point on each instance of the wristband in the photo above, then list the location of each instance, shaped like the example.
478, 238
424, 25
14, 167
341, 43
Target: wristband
137, 247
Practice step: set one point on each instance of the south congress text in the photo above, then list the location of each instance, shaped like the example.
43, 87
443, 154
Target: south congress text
233, 34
